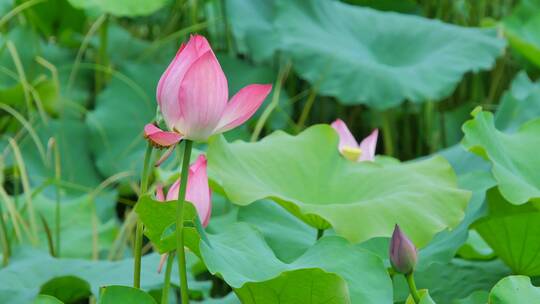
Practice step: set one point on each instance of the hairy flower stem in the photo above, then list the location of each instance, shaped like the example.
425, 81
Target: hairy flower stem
412, 287
140, 227
180, 223
167, 283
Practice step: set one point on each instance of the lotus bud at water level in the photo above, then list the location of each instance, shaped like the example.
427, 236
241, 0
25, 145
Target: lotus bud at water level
403, 255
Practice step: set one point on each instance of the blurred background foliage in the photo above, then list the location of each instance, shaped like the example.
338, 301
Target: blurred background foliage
78, 79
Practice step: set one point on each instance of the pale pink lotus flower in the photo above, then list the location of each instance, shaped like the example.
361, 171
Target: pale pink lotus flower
349, 147
197, 192
192, 96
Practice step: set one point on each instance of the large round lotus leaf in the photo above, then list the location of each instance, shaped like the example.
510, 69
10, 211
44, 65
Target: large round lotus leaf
125, 8
513, 232
331, 271
521, 28
361, 55
515, 165
21, 280
514, 289
307, 175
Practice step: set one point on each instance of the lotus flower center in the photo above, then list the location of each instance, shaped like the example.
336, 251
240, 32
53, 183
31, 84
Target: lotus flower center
351, 153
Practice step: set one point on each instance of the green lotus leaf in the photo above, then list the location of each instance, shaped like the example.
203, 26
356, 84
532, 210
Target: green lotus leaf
121, 8
307, 176
473, 175
475, 248
159, 219
20, 281
425, 298
477, 297
46, 299
116, 130
68, 289
288, 236
76, 163
513, 232
361, 55
454, 280
514, 289
251, 23
519, 104
401, 6
80, 225
521, 28
124, 294
515, 166
331, 271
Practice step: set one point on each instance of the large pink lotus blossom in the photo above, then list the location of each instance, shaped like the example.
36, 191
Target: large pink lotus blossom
192, 95
349, 147
197, 192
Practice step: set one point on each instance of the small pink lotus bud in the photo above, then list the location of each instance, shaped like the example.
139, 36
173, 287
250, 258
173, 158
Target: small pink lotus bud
403, 255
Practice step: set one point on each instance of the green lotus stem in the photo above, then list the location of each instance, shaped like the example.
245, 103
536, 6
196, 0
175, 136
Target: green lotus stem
307, 109
387, 134
180, 223
139, 230
167, 283
57, 176
4, 240
412, 287
102, 55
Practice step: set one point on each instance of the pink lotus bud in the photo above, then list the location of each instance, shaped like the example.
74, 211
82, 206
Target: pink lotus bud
197, 191
192, 95
349, 147
403, 255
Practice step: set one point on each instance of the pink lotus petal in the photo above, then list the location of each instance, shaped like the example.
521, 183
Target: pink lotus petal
198, 190
242, 106
368, 146
346, 139
159, 193
203, 96
159, 138
172, 194
169, 83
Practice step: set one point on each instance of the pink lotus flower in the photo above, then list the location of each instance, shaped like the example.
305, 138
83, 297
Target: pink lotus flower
197, 192
349, 147
192, 95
